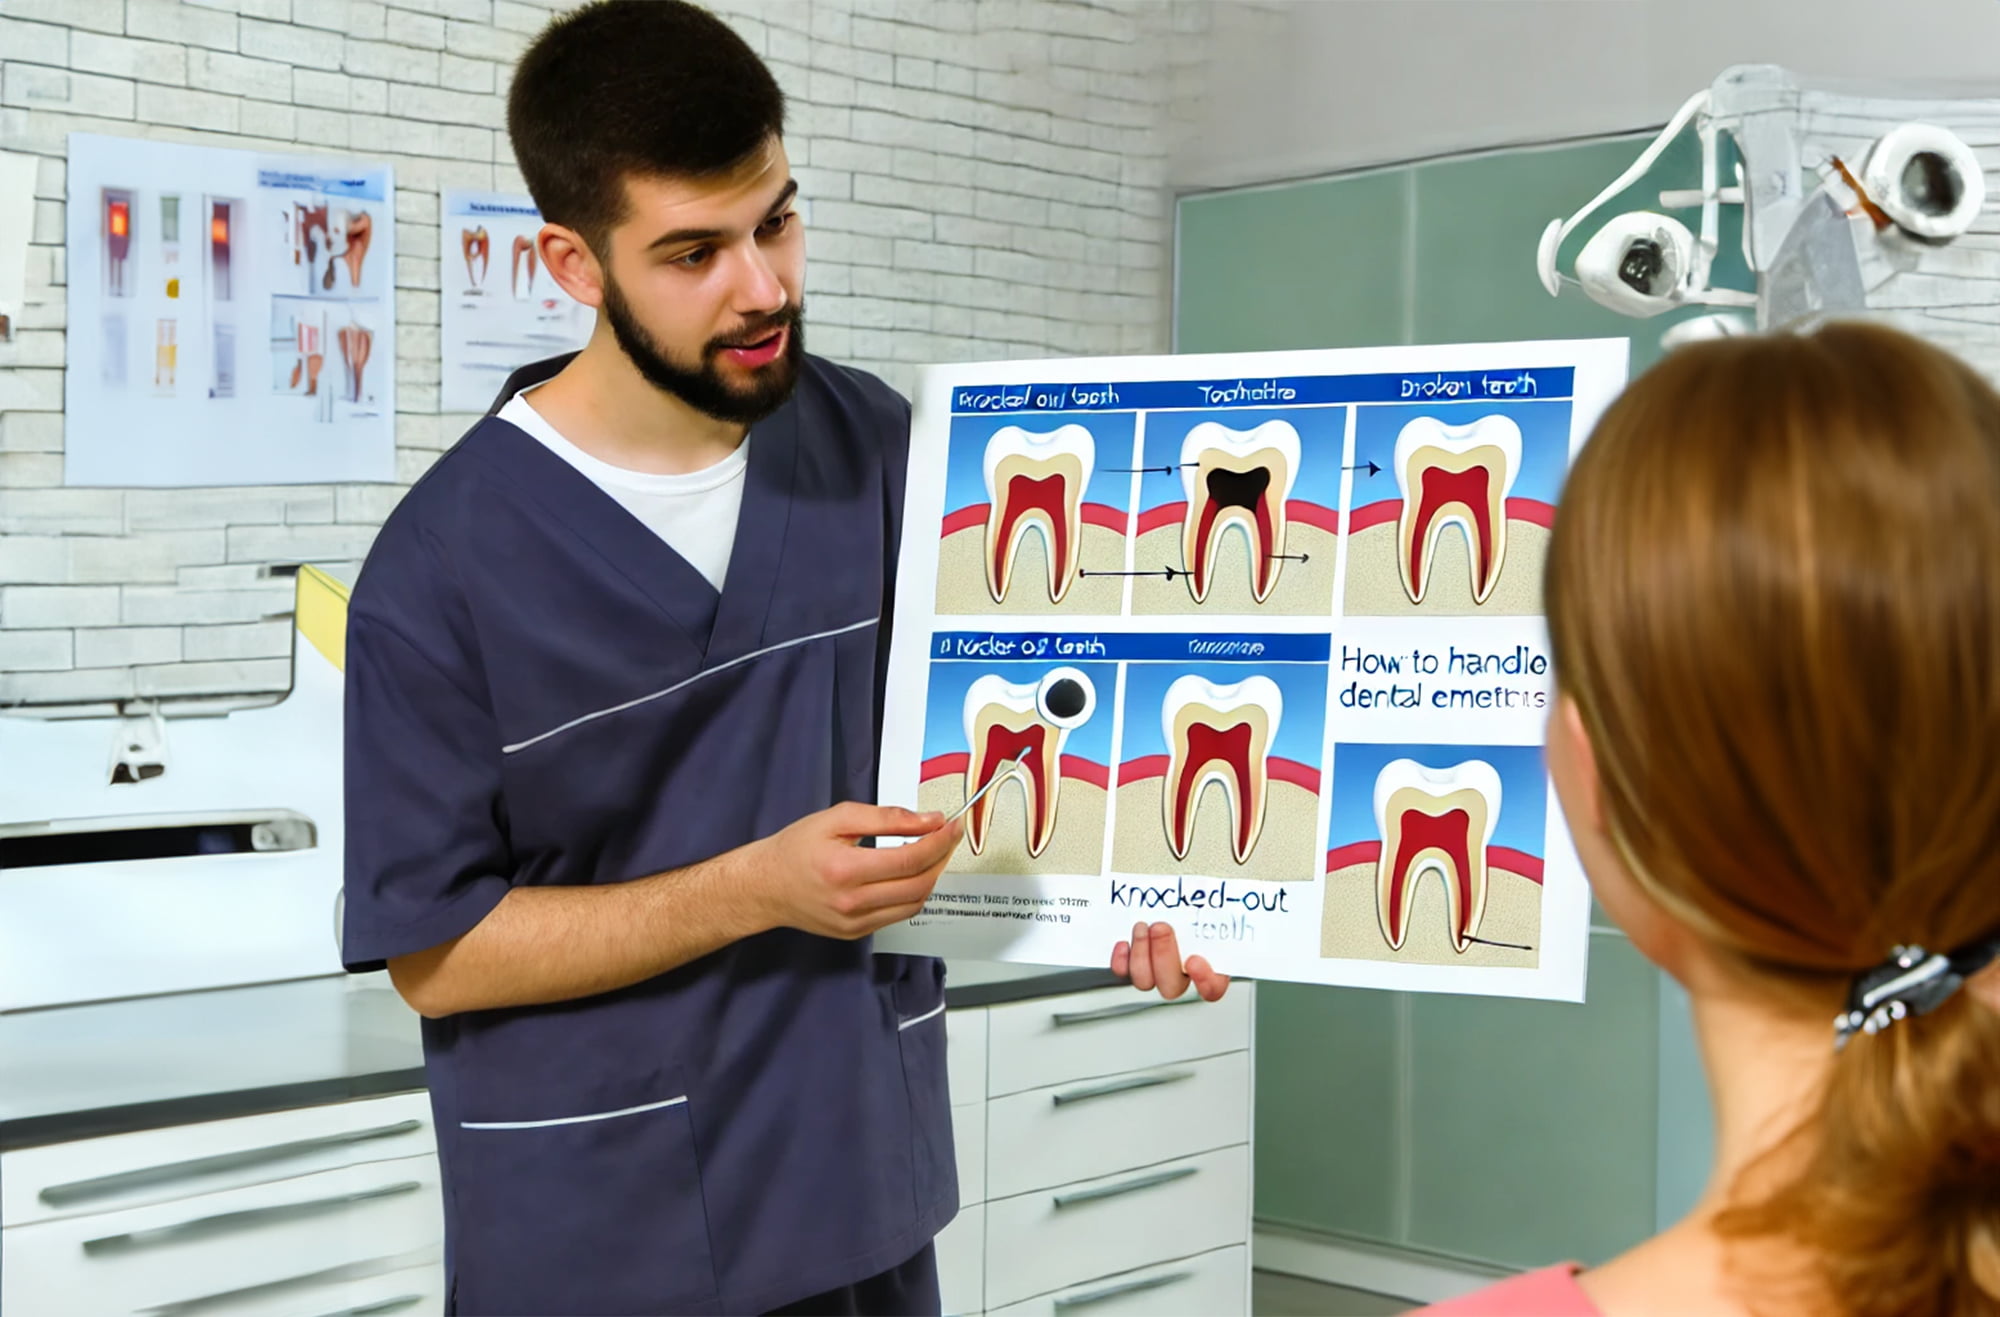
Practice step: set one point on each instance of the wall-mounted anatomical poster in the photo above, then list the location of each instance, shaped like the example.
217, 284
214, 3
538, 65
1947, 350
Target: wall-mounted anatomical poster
500, 309
1252, 645
232, 317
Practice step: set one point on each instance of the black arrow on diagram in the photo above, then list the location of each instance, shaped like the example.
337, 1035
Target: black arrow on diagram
1373, 469
1169, 572
1287, 557
1511, 946
1149, 470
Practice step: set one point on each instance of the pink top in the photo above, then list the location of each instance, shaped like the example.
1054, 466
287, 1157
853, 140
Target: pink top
1550, 1292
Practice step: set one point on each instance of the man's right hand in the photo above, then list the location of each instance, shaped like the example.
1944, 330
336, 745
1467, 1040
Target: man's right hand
558, 943
816, 876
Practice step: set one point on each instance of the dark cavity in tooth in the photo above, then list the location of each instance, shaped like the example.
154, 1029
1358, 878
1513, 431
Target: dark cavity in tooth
1064, 700
1238, 489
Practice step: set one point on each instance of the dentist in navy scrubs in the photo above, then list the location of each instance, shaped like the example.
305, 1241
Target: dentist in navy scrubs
615, 677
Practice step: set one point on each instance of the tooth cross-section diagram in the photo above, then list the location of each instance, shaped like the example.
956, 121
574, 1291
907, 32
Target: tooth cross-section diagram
1434, 820
1455, 476
1021, 727
1219, 735
1035, 484
1237, 480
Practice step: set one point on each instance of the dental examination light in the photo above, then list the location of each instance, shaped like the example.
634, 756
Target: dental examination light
1866, 203
1638, 264
1642, 263
1926, 181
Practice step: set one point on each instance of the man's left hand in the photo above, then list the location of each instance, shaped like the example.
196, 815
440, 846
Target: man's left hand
1152, 959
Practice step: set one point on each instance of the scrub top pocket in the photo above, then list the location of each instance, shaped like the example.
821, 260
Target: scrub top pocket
537, 1190
920, 1031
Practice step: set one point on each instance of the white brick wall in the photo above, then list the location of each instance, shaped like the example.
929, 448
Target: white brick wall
983, 179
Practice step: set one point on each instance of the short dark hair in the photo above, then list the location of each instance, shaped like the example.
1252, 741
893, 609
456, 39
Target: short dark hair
623, 87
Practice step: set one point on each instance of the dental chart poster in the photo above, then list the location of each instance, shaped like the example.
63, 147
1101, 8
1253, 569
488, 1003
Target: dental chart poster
500, 311
1252, 645
232, 317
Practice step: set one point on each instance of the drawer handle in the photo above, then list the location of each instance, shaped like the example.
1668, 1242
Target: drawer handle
1118, 1291
396, 1304
1127, 1085
110, 1186
226, 1222
1099, 1194
1064, 1019
347, 1271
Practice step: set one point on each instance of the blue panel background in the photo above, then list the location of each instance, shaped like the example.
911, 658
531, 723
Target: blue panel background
944, 718
1524, 787
1322, 437
1301, 727
1544, 444
965, 464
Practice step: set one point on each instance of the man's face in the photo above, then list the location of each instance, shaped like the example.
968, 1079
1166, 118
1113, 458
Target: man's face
703, 285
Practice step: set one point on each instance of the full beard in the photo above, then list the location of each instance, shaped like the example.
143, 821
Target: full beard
704, 388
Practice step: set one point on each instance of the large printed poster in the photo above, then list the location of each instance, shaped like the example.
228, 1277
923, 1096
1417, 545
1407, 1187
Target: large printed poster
501, 310
232, 317
1252, 645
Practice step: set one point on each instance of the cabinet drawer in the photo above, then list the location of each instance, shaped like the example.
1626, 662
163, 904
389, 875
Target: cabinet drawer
285, 1234
380, 1287
968, 1137
1054, 1239
119, 1171
1053, 1040
965, 1053
1215, 1284
961, 1263
1094, 1127
415, 1292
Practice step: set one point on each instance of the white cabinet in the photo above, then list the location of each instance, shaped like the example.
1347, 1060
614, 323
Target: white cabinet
92, 1176
1210, 1283
1092, 1127
961, 1261
1103, 1162
1106, 1168
318, 1210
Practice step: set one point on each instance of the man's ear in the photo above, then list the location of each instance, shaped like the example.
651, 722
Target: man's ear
571, 263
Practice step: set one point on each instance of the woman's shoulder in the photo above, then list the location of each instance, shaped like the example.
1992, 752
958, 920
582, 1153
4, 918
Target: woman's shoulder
1549, 1292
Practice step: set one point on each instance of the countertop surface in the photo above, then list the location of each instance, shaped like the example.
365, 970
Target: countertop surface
79, 1072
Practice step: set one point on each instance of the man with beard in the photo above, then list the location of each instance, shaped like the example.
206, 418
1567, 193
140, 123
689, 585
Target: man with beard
615, 674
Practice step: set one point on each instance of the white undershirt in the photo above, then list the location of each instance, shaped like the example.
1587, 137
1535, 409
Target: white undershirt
694, 513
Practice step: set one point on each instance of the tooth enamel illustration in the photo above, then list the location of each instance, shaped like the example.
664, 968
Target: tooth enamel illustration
1219, 735
1028, 722
1454, 476
1237, 480
1035, 483
1434, 820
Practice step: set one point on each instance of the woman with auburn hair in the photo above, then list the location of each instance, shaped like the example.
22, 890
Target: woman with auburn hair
1774, 600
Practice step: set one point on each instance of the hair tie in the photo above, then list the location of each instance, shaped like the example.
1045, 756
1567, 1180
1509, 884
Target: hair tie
1911, 982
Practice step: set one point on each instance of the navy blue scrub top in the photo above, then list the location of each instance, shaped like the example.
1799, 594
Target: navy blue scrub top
541, 691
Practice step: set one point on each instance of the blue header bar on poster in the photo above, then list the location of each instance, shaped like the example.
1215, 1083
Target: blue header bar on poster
1113, 646
1160, 395
363, 187
484, 206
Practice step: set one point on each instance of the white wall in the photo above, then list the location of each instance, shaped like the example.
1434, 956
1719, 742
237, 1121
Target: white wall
1327, 85
983, 180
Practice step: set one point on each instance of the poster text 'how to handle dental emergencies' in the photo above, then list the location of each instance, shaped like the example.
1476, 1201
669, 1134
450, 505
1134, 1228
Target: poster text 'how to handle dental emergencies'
1251, 645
